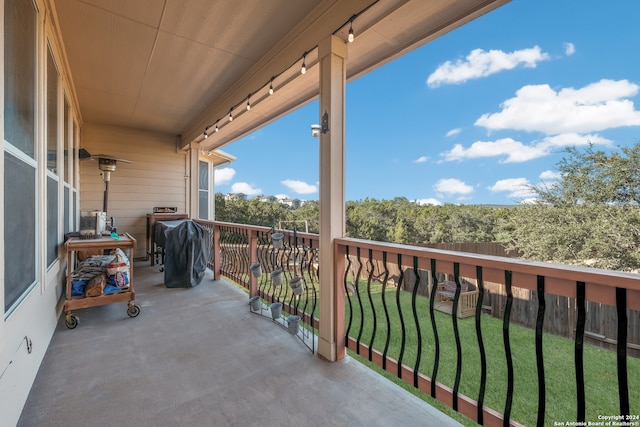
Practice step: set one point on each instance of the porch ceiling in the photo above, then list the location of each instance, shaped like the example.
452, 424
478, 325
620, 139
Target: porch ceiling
175, 66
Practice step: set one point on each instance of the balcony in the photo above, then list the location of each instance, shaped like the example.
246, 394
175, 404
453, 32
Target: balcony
202, 356
199, 357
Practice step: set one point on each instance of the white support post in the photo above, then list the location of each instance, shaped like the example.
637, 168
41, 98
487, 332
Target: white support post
332, 53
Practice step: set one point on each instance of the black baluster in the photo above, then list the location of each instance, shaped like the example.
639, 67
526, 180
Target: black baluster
579, 350
456, 334
623, 385
432, 315
346, 289
539, 354
386, 310
483, 355
373, 308
507, 347
416, 320
403, 330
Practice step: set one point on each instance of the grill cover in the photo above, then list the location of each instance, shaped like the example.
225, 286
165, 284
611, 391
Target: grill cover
187, 252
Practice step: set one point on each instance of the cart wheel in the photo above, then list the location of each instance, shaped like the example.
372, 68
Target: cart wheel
71, 321
133, 310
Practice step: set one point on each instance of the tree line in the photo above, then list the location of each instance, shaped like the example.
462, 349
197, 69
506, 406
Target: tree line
589, 216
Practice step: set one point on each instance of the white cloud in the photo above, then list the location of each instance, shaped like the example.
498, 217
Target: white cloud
243, 187
517, 187
569, 49
518, 152
539, 108
429, 201
482, 63
299, 187
452, 186
528, 201
421, 159
550, 175
224, 175
454, 132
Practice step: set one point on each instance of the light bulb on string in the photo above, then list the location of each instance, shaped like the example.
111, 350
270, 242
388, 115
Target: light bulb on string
271, 87
304, 65
206, 135
230, 115
248, 103
351, 37
216, 128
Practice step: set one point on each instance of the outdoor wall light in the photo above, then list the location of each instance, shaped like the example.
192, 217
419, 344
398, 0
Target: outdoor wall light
315, 131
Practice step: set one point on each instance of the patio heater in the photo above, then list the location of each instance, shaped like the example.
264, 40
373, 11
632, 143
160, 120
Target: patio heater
107, 164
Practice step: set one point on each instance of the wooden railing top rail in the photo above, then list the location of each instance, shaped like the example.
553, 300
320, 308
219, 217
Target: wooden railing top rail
310, 236
560, 279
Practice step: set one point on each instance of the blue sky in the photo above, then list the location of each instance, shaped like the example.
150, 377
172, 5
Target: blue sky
472, 117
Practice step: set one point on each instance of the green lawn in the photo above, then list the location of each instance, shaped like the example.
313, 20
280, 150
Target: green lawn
599, 364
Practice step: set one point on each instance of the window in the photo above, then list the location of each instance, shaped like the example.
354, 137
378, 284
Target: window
52, 160
19, 154
203, 190
20, 75
52, 114
19, 229
67, 140
52, 220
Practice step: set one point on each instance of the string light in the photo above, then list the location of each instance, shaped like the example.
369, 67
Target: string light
351, 36
303, 70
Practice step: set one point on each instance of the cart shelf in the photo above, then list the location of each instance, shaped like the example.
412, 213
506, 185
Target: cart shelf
75, 244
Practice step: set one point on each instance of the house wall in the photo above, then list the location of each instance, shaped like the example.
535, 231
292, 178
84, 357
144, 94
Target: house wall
157, 176
27, 328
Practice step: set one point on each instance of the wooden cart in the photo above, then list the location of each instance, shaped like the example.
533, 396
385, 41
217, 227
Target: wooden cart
75, 244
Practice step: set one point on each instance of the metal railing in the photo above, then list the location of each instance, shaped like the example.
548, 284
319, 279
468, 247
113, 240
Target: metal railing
415, 314
405, 309
238, 247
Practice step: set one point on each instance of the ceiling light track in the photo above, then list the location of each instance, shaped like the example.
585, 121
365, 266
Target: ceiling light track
272, 84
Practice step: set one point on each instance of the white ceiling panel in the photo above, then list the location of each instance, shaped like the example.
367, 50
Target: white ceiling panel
173, 66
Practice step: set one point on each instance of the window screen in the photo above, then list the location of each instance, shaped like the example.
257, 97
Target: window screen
67, 216
19, 74
52, 220
203, 190
52, 114
19, 229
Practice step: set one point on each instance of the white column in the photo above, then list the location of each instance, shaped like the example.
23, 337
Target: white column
332, 53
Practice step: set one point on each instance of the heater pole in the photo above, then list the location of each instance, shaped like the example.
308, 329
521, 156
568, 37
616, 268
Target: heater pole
106, 196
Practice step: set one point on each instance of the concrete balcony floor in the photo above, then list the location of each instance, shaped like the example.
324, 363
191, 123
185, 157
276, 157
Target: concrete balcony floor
198, 357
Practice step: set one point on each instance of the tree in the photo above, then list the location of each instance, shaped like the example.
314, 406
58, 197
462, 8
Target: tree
589, 217
596, 177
